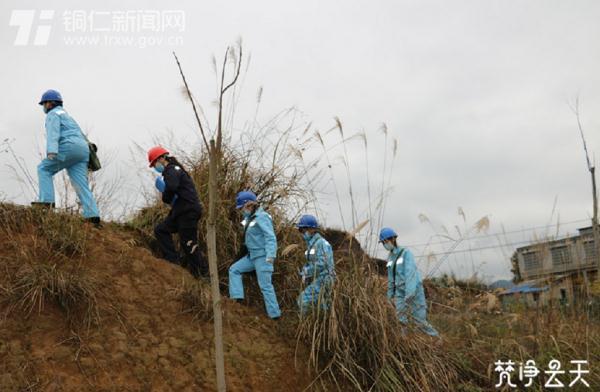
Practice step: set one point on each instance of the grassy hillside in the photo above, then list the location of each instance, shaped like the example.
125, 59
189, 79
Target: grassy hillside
88, 309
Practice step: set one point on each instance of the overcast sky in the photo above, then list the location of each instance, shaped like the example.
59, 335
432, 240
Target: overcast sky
476, 93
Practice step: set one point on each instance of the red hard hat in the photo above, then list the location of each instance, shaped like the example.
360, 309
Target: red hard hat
154, 153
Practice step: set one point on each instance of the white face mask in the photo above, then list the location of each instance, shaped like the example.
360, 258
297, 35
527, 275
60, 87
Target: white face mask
388, 246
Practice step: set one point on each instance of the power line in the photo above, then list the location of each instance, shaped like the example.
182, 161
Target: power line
475, 249
510, 244
496, 234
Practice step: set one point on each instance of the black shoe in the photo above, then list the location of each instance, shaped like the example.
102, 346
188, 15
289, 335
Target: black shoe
95, 221
239, 300
43, 204
194, 272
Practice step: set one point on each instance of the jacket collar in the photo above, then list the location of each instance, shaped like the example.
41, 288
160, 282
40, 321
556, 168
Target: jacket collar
313, 239
245, 221
396, 251
57, 107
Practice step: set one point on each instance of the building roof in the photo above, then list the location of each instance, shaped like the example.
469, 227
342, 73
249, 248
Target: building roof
582, 232
530, 286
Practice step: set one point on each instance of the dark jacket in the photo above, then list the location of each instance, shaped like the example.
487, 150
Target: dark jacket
178, 182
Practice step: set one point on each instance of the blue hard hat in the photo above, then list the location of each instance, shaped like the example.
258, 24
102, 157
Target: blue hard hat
51, 95
386, 233
244, 197
307, 221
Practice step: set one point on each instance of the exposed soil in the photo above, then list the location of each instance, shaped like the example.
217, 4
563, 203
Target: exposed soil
143, 341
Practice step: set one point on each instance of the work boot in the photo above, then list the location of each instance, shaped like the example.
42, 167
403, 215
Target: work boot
204, 271
43, 204
200, 273
95, 220
194, 271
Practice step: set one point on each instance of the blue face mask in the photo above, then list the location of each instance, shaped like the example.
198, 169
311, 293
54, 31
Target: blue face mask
306, 236
44, 109
388, 246
159, 167
246, 214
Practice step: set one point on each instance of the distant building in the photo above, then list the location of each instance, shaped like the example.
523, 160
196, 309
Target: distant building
559, 271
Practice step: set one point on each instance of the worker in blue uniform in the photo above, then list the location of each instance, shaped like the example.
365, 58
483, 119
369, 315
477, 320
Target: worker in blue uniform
405, 287
261, 251
318, 272
66, 148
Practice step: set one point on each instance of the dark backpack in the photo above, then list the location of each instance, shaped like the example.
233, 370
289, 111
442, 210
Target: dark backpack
94, 162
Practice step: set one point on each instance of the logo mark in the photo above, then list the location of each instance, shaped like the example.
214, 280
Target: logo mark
24, 21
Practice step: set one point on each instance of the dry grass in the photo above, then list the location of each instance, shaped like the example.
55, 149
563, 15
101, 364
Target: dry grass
195, 298
476, 339
359, 343
278, 186
356, 343
44, 263
35, 286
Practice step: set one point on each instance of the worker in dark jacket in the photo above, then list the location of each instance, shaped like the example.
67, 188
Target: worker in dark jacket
178, 190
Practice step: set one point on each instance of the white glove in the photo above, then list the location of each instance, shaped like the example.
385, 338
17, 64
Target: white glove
303, 274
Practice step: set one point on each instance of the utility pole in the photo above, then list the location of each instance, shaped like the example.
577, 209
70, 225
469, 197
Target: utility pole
215, 153
592, 169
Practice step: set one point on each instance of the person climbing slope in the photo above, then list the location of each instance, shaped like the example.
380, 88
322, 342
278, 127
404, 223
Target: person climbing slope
66, 148
404, 283
261, 246
177, 188
318, 273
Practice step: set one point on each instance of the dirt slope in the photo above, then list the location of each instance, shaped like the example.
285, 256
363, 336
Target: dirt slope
142, 341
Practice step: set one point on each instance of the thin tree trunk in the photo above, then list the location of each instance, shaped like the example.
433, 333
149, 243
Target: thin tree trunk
214, 153
595, 228
212, 263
